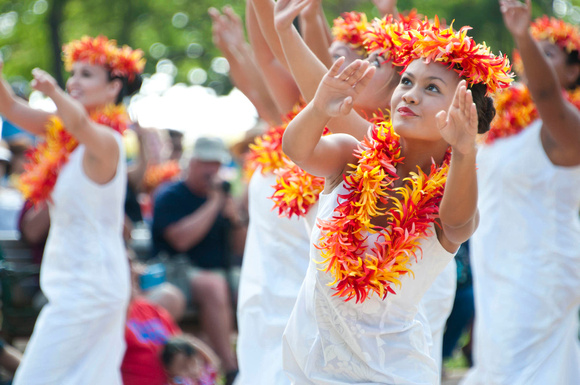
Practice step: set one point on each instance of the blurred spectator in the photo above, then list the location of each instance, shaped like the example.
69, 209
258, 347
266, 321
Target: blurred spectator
176, 144
461, 318
9, 359
188, 361
197, 217
11, 200
19, 146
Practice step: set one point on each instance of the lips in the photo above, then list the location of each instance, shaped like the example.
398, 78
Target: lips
406, 111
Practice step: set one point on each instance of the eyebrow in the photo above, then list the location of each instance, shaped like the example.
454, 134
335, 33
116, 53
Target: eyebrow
410, 74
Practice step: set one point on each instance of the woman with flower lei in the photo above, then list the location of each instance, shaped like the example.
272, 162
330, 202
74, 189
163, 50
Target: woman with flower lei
277, 248
526, 252
80, 172
386, 228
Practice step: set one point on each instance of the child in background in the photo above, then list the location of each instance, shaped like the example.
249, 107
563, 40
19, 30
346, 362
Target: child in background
188, 361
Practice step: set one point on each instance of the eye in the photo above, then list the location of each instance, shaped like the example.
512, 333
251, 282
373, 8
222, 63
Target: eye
432, 87
376, 62
406, 81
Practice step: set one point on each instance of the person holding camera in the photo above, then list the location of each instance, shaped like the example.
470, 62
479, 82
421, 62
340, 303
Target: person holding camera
197, 217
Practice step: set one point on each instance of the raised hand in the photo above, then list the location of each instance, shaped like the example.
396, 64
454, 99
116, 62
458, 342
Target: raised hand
337, 91
517, 16
286, 11
458, 125
386, 7
312, 8
43, 82
227, 30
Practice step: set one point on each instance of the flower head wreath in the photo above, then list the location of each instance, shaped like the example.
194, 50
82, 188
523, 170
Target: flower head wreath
350, 28
430, 41
558, 32
121, 61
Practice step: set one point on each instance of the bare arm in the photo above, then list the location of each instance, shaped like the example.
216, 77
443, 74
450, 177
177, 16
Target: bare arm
316, 32
192, 229
458, 209
302, 142
278, 80
35, 225
102, 152
228, 36
561, 120
307, 69
18, 111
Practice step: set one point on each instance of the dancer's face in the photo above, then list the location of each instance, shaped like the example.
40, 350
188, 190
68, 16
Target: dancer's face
424, 90
340, 49
567, 73
90, 85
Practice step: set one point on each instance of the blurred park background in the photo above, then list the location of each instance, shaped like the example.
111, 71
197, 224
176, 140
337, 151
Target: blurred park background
175, 36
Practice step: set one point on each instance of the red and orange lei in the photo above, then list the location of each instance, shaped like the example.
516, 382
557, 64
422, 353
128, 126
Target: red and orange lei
296, 191
157, 174
515, 110
48, 158
358, 269
556, 31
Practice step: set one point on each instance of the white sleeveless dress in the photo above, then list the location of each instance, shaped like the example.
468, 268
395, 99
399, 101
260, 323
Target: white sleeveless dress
79, 335
274, 266
526, 266
329, 341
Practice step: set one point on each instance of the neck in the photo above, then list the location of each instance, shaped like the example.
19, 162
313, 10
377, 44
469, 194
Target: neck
420, 153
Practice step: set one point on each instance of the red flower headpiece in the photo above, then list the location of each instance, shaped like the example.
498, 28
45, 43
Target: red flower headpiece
350, 28
121, 61
564, 35
430, 41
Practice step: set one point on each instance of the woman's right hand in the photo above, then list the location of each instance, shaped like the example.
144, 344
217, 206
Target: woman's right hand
517, 16
286, 11
337, 91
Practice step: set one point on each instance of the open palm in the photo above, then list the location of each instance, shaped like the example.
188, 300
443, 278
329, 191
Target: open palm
516, 16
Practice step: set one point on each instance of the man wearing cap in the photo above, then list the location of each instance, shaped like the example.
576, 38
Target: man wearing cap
197, 217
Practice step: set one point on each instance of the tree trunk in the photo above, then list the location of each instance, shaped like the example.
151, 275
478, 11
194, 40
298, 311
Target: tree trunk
54, 21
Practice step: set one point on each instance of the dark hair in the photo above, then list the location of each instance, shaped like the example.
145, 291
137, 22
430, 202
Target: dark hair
571, 59
484, 105
128, 88
175, 346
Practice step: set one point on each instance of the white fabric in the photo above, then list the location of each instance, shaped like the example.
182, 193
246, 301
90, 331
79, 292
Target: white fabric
329, 341
274, 266
438, 303
526, 266
79, 335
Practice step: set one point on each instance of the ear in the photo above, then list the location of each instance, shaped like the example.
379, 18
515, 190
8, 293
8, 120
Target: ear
115, 86
572, 74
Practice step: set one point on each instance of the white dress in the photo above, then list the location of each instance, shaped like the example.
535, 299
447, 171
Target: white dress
274, 266
79, 335
329, 341
438, 303
526, 266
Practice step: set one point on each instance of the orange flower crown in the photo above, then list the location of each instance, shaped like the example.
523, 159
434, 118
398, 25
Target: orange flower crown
350, 28
558, 32
121, 61
430, 41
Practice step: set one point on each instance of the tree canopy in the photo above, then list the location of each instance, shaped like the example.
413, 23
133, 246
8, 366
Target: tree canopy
32, 31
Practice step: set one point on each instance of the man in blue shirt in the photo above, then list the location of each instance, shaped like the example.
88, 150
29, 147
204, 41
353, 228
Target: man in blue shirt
197, 217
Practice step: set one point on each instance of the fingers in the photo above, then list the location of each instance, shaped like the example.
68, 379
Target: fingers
333, 71
365, 79
346, 105
214, 14
441, 119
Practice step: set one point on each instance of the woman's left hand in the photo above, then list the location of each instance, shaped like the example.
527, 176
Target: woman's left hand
43, 82
458, 125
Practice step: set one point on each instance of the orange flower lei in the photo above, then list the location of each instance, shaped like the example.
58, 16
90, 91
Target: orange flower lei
266, 151
296, 191
121, 61
48, 158
358, 269
515, 110
160, 173
558, 32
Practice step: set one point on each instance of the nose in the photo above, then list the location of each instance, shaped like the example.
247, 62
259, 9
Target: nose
410, 96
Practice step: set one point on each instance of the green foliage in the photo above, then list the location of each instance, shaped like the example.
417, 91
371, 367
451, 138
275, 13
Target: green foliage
180, 30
